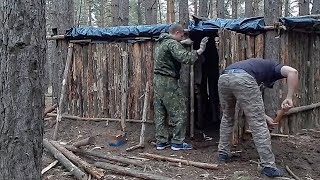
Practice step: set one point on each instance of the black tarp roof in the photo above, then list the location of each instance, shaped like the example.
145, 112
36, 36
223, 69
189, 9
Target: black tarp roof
244, 25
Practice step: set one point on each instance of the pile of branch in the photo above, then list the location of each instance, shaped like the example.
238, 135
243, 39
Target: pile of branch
69, 157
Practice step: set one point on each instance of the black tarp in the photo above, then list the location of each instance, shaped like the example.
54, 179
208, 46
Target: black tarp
303, 23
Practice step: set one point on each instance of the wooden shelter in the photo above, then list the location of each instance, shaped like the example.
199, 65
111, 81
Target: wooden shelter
96, 75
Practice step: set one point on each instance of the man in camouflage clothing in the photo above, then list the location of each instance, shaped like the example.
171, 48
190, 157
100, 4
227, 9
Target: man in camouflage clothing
169, 99
239, 83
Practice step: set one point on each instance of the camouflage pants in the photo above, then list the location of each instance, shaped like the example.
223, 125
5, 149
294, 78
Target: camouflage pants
169, 102
243, 89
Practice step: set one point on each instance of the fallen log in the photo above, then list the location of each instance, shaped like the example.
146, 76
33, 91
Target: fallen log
66, 116
95, 172
109, 157
272, 134
50, 109
74, 170
84, 142
182, 161
129, 172
51, 165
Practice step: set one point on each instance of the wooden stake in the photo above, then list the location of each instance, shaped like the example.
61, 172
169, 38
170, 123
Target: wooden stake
109, 157
185, 162
124, 90
51, 165
84, 142
95, 172
192, 101
77, 118
144, 119
63, 89
129, 172
74, 170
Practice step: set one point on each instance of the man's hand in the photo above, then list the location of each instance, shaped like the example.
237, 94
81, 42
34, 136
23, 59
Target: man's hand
203, 45
187, 41
287, 104
270, 123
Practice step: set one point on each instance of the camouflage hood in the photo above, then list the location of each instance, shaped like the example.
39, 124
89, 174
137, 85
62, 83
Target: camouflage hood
164, 36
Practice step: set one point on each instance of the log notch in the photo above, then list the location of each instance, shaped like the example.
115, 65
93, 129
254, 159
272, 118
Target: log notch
129, 172
74, 170
95, 172
63, 89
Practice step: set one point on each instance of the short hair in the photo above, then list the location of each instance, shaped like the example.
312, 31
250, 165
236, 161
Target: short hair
174, 28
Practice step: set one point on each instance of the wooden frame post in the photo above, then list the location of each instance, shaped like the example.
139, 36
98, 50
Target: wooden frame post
63, 89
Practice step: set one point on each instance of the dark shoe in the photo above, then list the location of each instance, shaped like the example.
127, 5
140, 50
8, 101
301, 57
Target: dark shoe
272, 172
223, 158
183, 146
162, 146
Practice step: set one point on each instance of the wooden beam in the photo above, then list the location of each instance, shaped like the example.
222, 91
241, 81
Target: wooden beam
302, 109
183, 161
56, 37
63, 89
77, 118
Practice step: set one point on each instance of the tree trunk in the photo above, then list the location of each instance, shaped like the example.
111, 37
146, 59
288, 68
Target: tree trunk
248, 8
139, 13
22, 58
286, 8
89, 4
220, 9
272, 46
183, 13
304, 7
315, 7
170, 11
256, 8
203, 8
195, 4
120, 12
151, 11
234, 9
63, 14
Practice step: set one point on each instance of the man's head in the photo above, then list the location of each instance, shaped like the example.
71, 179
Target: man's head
176, 32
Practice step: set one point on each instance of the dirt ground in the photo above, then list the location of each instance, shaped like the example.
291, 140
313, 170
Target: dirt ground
301, 153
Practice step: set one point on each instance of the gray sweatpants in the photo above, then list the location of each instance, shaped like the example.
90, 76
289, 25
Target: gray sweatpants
243, 88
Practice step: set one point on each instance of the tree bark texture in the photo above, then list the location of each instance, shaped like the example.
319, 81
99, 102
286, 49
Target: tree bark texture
220, 9
272, 48
234, 9
304, 7
22, 58
315, 7
203, 8
151, 11
286, 8
63, 14
183, 13
248, 8
139, 13
170, 11
120, 12
195, 4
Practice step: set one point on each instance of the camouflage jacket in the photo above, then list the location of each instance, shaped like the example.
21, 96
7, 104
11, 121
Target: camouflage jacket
169, 54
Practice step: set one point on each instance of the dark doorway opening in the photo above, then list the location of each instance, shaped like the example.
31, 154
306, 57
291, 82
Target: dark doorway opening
206, 75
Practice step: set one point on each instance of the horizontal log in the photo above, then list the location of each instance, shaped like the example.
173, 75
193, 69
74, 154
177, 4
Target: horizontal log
50, 109
109, 157
95, 172
272, 134
66, 116
302, 108
74, 170
129, 172
84, 142
185, 162
56, 37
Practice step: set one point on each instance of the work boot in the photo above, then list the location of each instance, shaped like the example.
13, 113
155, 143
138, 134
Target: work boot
272, 172
223, 158
183, 146
162, 146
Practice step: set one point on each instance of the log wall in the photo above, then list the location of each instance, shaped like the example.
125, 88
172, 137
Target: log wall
299, 50
96, 74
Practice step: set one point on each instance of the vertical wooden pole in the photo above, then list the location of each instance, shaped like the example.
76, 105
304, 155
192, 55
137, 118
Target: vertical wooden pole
144, 114
192, 101
60, 108
124, 89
